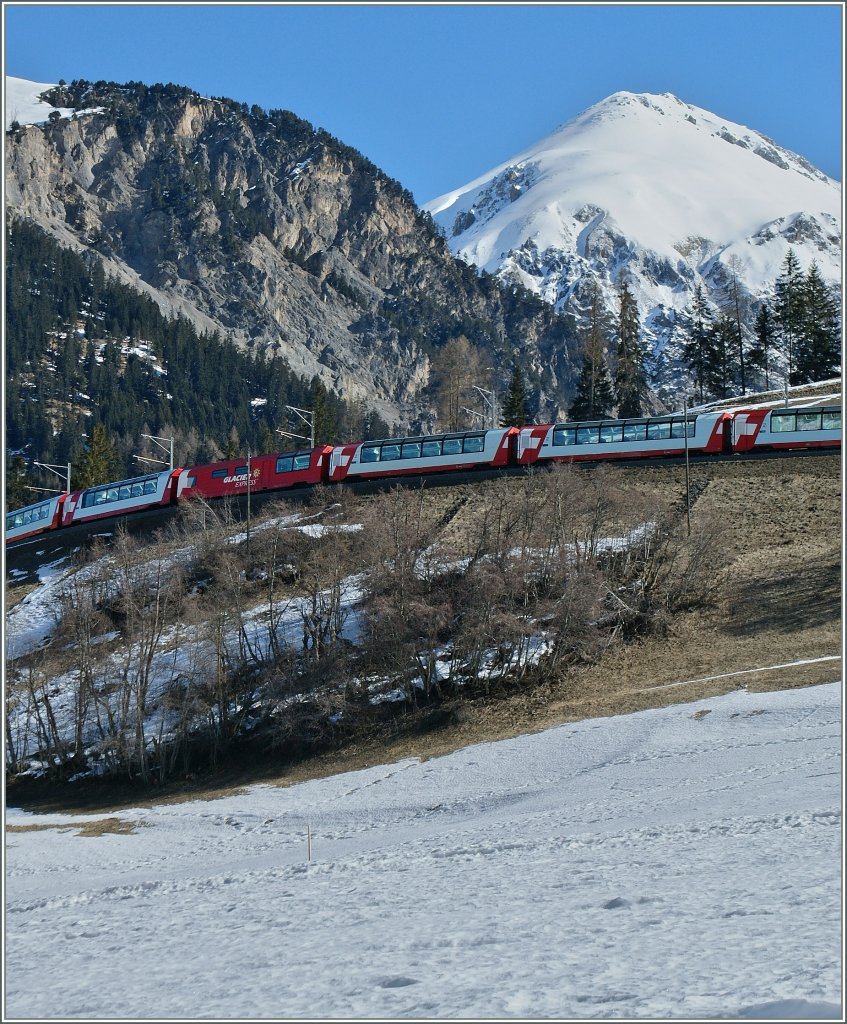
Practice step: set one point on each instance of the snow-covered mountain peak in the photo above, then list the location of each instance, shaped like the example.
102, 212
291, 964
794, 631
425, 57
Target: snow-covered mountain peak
650, 186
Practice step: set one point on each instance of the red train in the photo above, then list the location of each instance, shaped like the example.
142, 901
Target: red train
711, 433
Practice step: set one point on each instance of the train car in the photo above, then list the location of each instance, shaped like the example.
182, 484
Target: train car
120, 497
267, 473
34, 519
802, 427
640, 437
223, 479
431, 453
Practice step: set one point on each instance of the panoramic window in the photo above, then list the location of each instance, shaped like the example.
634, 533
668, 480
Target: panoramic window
609, 433
138, 489
284, 464
658, 431
832, 419
808, 421
430, 448
149, 486
452, 446
412, 450
369, 453
635, 431
564, 435
301, 461
474, 444
782, 421
678, 428
390, 451
587, 435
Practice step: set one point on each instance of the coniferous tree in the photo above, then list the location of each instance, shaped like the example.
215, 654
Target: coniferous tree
720, 360
514, 408
735, 308
698, 322
630, 377
99, 462
818, 352
594, 397
17, 494
760, 353
789, 308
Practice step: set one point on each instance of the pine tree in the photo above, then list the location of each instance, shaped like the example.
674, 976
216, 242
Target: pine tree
735, 308
98, 463
17, 494
594, 397
720, 359
630, 378
789, 308
324, 413
818, 352
760, 353
514, 408
698, 327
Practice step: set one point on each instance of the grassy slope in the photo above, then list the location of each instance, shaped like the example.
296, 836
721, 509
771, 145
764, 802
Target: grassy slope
776, 599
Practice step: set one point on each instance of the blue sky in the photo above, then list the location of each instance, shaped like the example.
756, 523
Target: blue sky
437, 94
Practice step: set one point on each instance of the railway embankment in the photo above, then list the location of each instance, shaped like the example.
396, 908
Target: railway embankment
763, 612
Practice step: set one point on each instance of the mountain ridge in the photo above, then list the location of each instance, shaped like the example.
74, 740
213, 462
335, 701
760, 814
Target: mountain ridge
650, 187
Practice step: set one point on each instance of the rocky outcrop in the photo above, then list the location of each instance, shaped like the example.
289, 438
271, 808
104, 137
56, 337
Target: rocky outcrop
257, 225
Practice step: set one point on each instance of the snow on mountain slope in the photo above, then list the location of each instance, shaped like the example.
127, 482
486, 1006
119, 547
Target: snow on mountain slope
22, 102
652, 186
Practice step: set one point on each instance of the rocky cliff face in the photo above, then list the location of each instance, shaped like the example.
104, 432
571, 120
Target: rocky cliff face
257, 225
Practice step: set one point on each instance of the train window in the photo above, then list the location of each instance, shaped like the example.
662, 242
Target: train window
18, 520
149, 486
452, 446
219, 474
564, 435
658, 431
634, 431
138, 489
781, 421
474, 444
112, 494
240, 471
832, 419
587, 435
390, 451
369, 454
301, 461
412, 450
430, 448
808, 421
609, 434
99, 497
284, 464
124, 492
678, 428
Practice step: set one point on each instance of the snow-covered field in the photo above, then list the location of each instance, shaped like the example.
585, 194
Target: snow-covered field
683, 862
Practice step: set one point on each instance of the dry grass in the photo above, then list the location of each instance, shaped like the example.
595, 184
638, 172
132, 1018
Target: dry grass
101, 827
775, 600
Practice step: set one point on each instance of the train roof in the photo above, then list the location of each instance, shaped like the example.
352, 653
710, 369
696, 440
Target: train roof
427, 437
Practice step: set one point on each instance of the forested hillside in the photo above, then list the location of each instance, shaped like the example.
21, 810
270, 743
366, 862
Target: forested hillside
83, 351
289, 244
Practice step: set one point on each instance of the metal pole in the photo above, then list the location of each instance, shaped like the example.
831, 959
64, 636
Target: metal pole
69, 477
248, 502
172, 454
687, 480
